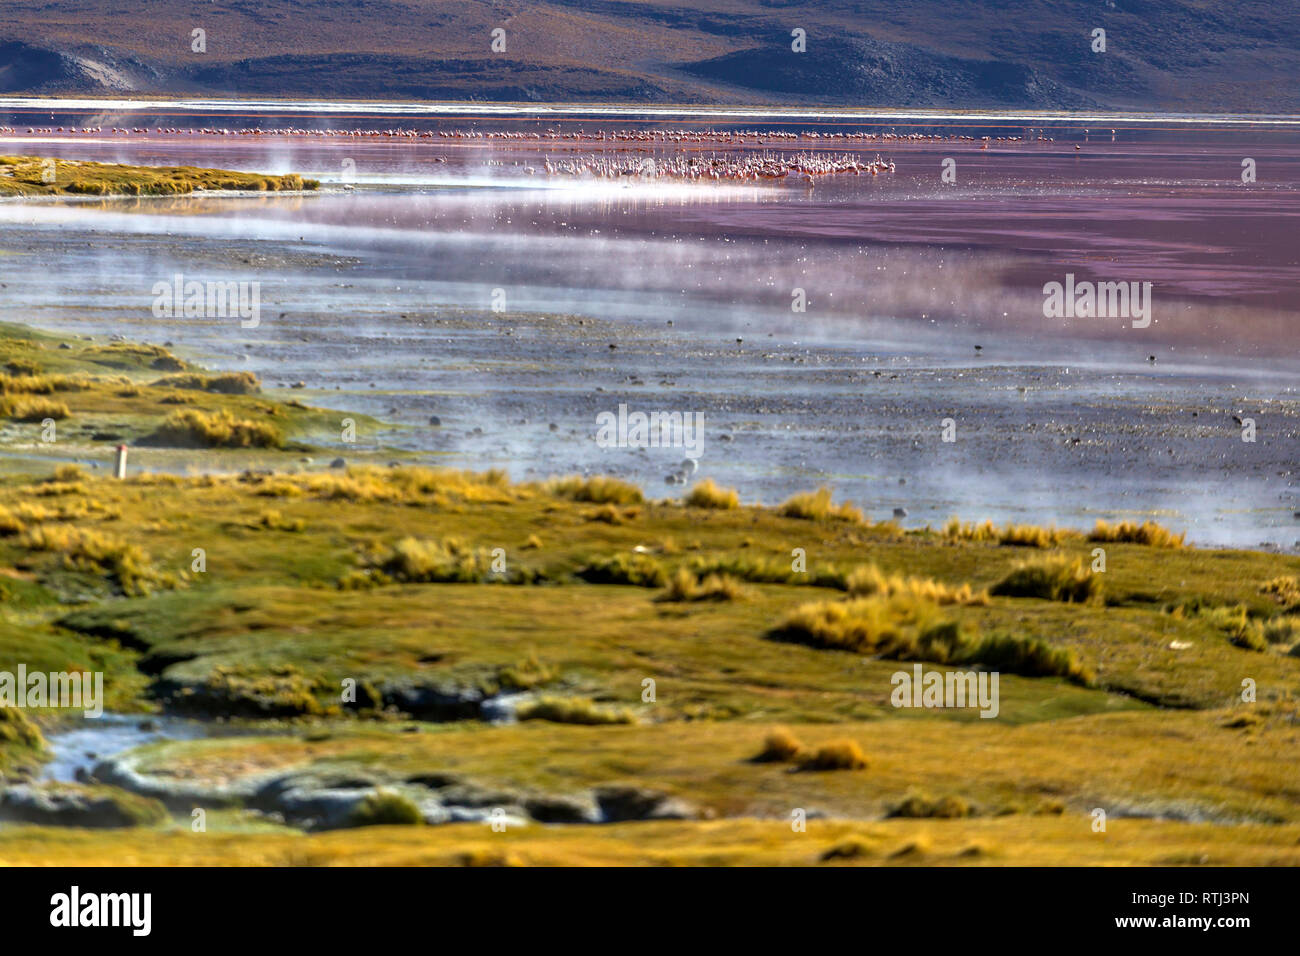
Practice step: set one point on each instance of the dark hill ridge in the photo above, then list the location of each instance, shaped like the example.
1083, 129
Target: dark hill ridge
1176, 55
874, 71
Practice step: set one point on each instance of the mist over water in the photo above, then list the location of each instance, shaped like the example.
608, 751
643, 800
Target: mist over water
378, 295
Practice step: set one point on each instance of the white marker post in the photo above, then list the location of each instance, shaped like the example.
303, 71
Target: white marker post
119, 469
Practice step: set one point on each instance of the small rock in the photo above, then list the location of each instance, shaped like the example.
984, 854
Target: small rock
338, 463
435, 420
900, 512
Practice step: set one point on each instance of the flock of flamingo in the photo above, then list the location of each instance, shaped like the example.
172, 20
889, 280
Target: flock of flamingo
740, 167
621, 159
667, 137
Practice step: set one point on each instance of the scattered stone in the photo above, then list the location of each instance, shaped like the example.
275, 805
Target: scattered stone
338, 463
620, 803
560, 809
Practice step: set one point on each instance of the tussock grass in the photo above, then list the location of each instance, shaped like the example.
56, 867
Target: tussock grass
76, 507
1281, 630
573, 710
45, 384
756, 570
1285, 590
707, 494
907, 628
272, 520
280, 690
1147, 533
406, 485
10, 523
423, 561
867, 580
954, 530
780, 746
22, 366
1053, 578
836, 755
525, 675
684, 586
1242, 631
1034, 536
1028, 657
191, 428
637, 569
817, 506
230, 383
894, 626
609, 514
90, 551
37, 410
599, 489
917, 805
1013, 535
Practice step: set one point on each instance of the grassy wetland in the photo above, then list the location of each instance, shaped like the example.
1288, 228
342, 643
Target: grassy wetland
32, 176
421, 650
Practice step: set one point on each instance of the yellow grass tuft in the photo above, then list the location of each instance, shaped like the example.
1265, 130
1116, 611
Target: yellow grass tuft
37, 410
836, 755
817, 506
89, 551
1013, 535
599, 489
685, 586
1148, 533
780, 746
1285, 590
707, 494
191, 428
1054, 578
867, 580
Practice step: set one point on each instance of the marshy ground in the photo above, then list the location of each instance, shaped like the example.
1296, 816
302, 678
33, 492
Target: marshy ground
32, 176
499, 636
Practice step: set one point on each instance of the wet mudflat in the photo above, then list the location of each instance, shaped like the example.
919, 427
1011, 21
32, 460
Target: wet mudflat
378, 296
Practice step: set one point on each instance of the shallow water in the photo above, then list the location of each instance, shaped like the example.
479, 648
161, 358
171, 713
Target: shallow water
78, 748
379, 299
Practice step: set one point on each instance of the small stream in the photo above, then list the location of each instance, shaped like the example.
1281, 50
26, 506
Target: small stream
77, 749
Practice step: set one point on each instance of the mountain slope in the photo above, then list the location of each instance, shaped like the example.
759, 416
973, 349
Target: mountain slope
1161, 54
